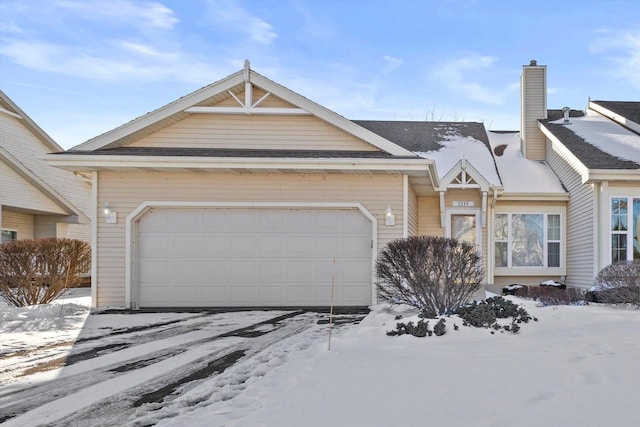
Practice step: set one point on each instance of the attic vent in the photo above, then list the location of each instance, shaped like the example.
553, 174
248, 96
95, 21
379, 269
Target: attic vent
565, 114
499, 150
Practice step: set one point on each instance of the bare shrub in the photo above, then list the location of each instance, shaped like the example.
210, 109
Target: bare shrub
38, 271
619, 283
429, 273
552, 295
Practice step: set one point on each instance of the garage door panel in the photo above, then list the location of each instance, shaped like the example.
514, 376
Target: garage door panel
215, 245
271, 271
214, 271
271, 295
153, 270
272, 246
187, 245
254, 257
187, 222
243, 245
300, 246
244, 295
156, 246
187, 271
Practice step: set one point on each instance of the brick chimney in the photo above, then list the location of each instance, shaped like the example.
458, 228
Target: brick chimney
533, 106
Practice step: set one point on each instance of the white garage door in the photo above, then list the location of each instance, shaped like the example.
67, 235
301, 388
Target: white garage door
215, 257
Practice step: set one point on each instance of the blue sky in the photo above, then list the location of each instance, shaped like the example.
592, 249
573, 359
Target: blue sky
83, 67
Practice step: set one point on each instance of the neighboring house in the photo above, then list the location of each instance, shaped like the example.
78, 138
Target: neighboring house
596, 154
245, 193
36, 200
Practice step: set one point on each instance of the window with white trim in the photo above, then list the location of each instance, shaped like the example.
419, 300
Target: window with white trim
9, 235
527, 240
625, 229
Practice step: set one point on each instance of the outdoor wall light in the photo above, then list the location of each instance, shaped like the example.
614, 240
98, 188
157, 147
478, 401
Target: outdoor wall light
389, 218
110, 216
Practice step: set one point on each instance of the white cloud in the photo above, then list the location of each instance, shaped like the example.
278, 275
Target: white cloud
230, 14
459, 75
623, 49
133, 62
391, 64
149, 14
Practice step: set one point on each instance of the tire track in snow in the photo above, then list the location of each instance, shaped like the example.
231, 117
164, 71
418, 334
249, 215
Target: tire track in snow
16, 403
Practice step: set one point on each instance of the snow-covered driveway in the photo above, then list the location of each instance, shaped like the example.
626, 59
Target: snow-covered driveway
130, 368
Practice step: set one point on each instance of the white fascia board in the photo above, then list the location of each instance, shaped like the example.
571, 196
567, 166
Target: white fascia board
41, 185
552, 197
598, 175
96, 162
614, 116
161, 113
328, 116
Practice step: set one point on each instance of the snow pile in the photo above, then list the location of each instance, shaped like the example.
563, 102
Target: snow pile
456, 147
519, 174
543, 376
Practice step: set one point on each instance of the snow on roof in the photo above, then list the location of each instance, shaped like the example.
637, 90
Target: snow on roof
606, 135
455, 147
519, 174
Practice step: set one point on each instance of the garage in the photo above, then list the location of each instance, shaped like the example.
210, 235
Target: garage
252, 257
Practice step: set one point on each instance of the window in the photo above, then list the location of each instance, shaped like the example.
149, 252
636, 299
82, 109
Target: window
625, 229
527, 240
9, 235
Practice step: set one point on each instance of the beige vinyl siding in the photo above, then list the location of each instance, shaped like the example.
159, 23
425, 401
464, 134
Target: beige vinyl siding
73, 231
580, 221
17, 192
429, 217
25, 146
413, 213
125, 191
533, 107
254, 132
23, 223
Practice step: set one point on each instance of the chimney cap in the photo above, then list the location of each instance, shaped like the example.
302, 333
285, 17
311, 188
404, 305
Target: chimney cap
533, 63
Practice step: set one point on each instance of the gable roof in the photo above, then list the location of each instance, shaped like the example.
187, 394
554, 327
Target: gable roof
600, 147
627, 109
7, 106
203, 98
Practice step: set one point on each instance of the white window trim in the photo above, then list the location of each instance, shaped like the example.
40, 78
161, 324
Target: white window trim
628, 232
12, 230
531, 271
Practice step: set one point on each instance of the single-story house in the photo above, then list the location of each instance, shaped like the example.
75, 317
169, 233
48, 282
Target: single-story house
37, 200
245, 193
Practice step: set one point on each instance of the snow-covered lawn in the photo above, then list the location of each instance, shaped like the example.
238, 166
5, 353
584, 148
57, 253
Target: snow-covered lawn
576, 366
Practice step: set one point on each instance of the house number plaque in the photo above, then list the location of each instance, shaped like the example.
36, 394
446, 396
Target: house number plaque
463, 204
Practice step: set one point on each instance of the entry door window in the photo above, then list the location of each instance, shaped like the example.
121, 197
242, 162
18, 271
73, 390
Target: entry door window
463, 227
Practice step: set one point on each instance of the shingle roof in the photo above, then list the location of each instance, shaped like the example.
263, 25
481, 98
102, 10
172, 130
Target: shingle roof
424, 136
591, 156
227, 152
627, 109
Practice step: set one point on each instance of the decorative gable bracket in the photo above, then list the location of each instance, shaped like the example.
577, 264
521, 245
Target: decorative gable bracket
248, 106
